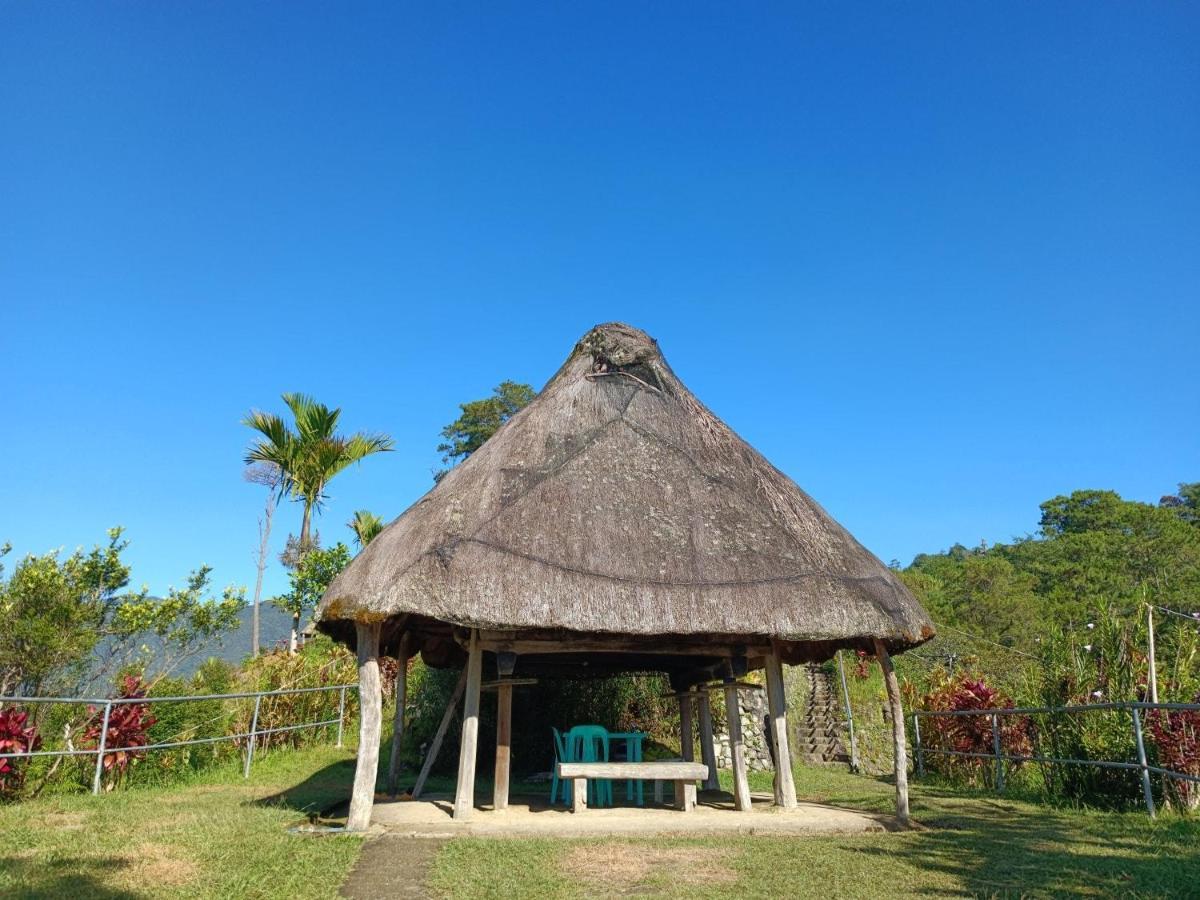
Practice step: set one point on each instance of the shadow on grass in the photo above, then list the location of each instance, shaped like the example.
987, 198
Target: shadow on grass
318, 794
69, 876
994, 848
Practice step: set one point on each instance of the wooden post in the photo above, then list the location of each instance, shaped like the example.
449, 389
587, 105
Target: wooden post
578, 795
370, 715
708, 753
785, 785
464, 798
503, 745
685, 795
440, 735
686, 738
737, 749
901, 753
398, 717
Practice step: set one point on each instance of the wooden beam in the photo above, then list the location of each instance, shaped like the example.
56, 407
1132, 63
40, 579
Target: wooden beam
898, 738
785, 786
498, 640
503, 745
464, 798
708, 753
440, 735
737, 748
398, 717
370, 717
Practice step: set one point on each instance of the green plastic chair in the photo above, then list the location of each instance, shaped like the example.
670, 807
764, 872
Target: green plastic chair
589, 743
560, 755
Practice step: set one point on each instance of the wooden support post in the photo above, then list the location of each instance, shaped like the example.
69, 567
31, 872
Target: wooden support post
370, 716
737, 749
686, 738
398, 717
685, 795
578, 794
440, 735
901, 752
785, 786
464, 798
708, 753
503, 745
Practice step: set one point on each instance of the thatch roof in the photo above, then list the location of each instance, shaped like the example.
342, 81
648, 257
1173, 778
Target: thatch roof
616, 503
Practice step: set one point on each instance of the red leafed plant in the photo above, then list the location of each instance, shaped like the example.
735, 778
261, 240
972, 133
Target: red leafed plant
969, 734
128, 729
1176, 734
16, 736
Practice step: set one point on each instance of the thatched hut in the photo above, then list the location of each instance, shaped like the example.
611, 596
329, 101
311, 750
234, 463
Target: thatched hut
615, 524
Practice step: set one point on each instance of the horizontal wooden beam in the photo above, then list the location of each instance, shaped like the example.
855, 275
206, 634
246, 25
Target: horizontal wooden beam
509, 682
644, 771
498, 641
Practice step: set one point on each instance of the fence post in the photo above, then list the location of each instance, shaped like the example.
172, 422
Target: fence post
1141, 752
996, 750
341, 714
917, 743
100, 749
253, 739
849, 714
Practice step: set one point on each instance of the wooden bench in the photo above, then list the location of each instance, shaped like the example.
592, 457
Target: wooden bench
684, 774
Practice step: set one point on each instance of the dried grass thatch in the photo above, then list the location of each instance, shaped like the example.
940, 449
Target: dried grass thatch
617, 505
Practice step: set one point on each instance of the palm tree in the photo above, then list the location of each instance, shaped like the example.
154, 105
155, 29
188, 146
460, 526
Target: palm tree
365, 525
310, 456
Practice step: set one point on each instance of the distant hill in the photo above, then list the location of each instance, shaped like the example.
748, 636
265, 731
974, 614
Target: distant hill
275, 628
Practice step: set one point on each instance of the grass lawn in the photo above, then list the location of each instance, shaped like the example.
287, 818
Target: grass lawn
220, 836
972, 845
213, 836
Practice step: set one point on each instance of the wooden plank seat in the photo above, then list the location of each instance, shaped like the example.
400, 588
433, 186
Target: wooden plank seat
684, 774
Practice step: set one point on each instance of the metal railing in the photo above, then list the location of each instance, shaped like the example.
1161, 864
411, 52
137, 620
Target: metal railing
251, 737
1000, 757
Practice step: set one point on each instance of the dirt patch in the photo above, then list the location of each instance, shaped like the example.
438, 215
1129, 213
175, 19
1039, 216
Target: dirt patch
63, 821
156, 864
615, 869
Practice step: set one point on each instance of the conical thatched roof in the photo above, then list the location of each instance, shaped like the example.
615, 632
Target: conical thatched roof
616, 503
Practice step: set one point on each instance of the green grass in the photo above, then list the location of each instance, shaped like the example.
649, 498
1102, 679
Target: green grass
971, 845
213, 835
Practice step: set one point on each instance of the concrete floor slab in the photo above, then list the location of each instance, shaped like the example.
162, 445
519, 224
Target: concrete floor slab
430, 817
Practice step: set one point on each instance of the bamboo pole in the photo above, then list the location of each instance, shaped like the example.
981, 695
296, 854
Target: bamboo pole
898, 739
464, 798
849, 713
370, 704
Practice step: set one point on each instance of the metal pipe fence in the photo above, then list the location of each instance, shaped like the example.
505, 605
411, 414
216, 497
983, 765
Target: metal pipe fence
251, 737
1000, 757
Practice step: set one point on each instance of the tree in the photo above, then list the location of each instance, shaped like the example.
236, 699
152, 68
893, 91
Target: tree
1185, 503
479, 420
311, 455
365, 525
268, 475
69, 622
309, 579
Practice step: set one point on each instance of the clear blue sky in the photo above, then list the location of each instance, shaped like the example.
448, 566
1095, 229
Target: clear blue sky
939, 262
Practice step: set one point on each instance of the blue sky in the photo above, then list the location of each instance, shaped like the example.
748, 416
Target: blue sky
939, 262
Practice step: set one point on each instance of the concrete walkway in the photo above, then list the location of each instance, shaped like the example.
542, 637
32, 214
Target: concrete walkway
430, 817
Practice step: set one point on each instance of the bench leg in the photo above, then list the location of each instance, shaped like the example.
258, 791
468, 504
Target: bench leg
579, 794
685, 795
658, 791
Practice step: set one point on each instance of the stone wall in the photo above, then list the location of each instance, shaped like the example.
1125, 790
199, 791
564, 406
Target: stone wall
753, 705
